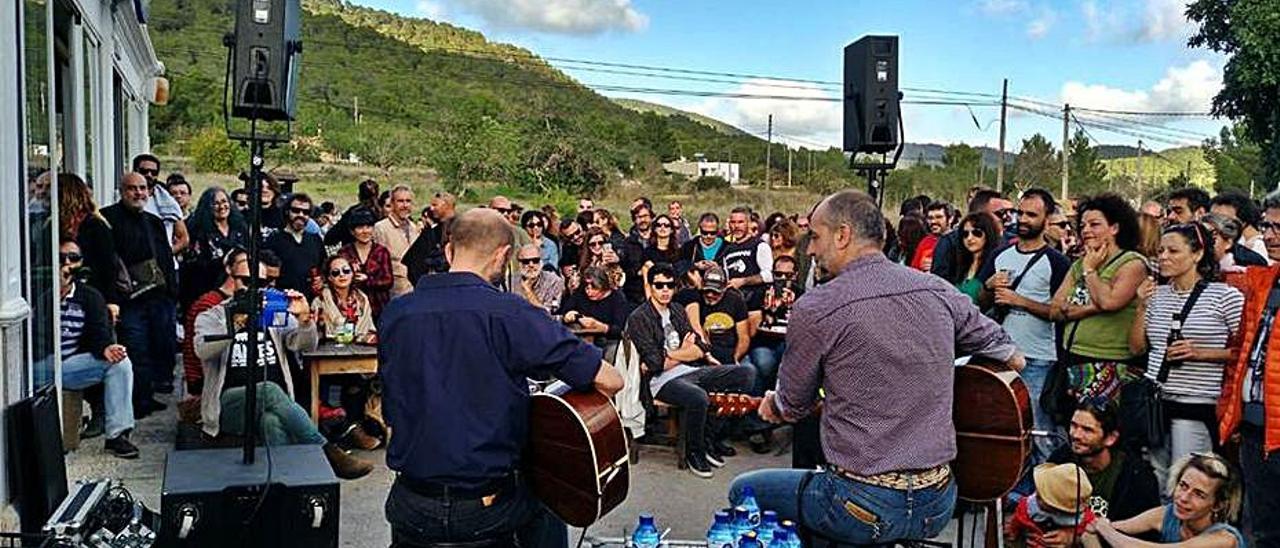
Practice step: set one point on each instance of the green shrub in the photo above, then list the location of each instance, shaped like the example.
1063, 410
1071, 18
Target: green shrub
710, 182
212, 151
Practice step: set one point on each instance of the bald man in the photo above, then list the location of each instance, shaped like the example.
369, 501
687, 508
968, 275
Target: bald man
458, 347
503, 205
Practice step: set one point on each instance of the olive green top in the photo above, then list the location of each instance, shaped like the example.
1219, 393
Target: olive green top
1104, 335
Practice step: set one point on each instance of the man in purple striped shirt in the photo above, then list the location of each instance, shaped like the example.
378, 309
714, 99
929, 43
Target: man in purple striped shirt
880, 340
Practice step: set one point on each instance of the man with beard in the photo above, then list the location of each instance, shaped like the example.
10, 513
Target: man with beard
301, 253
748, 261
162, 204
633, 250
458, 345
945, 255
398, 232
426, 255
938, 216
1123, 484
1021, 281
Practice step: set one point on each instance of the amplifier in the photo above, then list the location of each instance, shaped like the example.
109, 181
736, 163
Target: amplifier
211, 498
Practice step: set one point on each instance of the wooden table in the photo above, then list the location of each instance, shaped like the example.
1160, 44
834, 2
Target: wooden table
331, 358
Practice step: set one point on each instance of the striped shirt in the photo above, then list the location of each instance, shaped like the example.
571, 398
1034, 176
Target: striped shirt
1213, 319
72, 325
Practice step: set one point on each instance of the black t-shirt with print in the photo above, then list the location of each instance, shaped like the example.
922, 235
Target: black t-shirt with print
720, 323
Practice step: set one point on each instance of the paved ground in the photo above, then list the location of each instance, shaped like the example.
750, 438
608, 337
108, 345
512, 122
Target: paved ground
677, 499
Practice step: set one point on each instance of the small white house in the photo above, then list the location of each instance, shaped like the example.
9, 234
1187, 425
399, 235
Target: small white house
700, 167
84, 75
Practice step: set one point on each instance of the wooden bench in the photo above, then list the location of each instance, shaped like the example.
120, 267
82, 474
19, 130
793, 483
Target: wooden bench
673, 437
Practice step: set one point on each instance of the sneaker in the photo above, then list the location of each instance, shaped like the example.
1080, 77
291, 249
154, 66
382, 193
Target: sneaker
94, 427
713, 459
345, 465
121, 447
761, 443
698, 465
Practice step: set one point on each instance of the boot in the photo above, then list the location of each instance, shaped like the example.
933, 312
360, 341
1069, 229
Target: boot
346, 466
360, 439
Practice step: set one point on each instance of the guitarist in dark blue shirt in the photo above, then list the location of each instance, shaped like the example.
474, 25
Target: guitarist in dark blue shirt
455, 357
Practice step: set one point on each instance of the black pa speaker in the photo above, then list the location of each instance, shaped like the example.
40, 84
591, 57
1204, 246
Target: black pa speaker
266, 55
871, 94
212, 499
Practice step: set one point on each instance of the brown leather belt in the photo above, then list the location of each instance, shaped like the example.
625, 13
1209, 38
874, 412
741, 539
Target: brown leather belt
902, 480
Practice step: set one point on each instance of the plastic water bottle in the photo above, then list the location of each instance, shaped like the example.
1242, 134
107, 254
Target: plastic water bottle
793, 536
646, 535
768, 525
749, 502
721, 533
749, 540
781, 539
741, 522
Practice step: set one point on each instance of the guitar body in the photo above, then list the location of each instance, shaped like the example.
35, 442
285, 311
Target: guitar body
576, 458
992, 414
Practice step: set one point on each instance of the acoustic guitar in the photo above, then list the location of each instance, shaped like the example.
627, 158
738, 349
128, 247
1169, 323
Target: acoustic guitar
576, 459
992, 415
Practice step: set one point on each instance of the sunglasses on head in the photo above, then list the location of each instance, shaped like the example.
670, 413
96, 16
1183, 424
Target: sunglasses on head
664, 285
305, 211
340, 272
530, 261
68, 258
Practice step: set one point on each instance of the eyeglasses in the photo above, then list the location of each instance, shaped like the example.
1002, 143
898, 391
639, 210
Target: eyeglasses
306, 212
340, 272
1266, 225
531, 261
145, 171
1062, 224
664, 285
70, 258
975, 232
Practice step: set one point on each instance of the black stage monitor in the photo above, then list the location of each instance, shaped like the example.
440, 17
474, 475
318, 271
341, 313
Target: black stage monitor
871, 95
265, 60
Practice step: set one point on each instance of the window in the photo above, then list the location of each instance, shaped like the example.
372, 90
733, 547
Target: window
38, 98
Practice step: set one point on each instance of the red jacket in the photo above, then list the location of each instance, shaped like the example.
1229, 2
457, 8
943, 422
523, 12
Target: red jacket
1257, 284
1022, 527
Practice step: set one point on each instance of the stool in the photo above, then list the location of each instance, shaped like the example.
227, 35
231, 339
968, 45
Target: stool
72, 412
672, 421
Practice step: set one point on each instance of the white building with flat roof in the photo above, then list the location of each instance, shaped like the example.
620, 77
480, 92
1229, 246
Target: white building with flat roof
700, 167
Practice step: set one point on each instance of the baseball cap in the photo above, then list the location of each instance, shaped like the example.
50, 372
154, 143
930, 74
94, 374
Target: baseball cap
714, 280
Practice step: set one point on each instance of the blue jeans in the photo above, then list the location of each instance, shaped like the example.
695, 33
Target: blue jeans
765, 357
283, 421
83, 370
850, 512
148, 329
418, 520
1034, 375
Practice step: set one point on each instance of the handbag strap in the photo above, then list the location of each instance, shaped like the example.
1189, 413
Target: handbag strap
1162, 374
1071, 339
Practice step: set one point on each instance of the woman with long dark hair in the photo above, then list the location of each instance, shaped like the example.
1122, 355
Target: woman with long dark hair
370, 260
911, 230
663, 247
979, 238
1196, 359
216, 228
1098, 298
80, 220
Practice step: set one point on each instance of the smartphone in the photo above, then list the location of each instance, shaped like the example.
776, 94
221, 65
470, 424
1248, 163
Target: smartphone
608, 247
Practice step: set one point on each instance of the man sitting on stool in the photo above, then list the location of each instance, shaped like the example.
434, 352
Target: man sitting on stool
456, 354
222, 404
887, 429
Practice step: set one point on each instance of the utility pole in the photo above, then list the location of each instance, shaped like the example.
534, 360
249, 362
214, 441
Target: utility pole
1066, 147
788, 167
355, 109
811, 163
1138, 165
768, 155
1004, 108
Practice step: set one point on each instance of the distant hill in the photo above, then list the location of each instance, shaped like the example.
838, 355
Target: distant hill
1160, 166
666, 111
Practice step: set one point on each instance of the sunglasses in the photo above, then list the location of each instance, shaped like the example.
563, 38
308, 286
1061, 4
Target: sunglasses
534, 225
70, 258
783, 275
1265, 226
596, 243
1062, 224
503, 210
708, 233
300, 211
709, 291
664, 285
340, 272
662, 225
976, 233
145, 171
532, 261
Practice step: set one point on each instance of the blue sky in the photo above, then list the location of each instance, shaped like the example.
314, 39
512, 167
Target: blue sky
1102, 54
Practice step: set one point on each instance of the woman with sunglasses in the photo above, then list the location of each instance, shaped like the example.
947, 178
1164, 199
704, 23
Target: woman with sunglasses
370, 260
601, 252
1098, 300
1194, 355
344, 314
216, 228
1205, 496
979, 236
663, 245
535, 225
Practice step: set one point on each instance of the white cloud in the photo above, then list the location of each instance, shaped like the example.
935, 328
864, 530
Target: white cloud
1001, 7
808, 120
1187, 88
431, 9
1135, 21
1040, 26
583, 17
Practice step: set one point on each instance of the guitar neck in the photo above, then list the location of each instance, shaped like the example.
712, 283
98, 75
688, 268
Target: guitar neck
725, 404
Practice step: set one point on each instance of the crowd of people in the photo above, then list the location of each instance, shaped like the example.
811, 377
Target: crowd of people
1142, 335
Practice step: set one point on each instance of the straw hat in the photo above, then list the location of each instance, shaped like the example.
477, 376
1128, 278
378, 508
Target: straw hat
1058, 484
